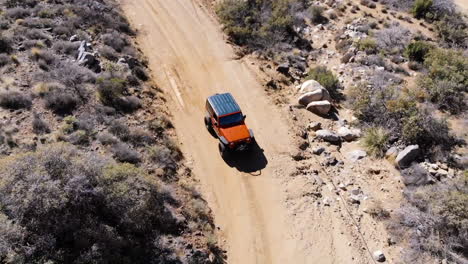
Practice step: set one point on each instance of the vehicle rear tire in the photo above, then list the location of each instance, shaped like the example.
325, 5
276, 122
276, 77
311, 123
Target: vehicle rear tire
222, 149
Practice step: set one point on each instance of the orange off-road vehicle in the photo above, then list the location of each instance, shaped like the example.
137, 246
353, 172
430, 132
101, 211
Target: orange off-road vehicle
224, 120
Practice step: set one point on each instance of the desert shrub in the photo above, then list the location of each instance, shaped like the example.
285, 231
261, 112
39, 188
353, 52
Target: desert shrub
4, 60
453, 30
368, 45
5, 44
434, 217
40, 126
260, 24
447, 79
41, 55
327, 79
17, 12
375, 141
79, 137
115, 40
416, 51
164, 158
14, 100
58, 204
123, 153
110, 90
61, 102
120, 130
107, 139
139, 137
316, 15
66, 47
36, 34
377, 211
140, 73
62, 31
159, 125
128, 104
22, 3
109, 53
421, 8
393, 39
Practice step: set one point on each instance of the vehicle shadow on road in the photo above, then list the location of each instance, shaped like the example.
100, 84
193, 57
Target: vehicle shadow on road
252, 161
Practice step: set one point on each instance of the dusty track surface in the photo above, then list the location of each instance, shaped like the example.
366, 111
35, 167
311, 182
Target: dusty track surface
190, 61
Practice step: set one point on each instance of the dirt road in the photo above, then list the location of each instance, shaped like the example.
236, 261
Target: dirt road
190, 61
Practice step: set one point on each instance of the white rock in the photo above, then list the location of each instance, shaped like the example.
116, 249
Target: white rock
320, 107
310, 97
379, 256
408, 155
310, 86
348, 134
356, 155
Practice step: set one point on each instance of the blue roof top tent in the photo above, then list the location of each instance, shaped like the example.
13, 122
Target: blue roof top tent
224, 104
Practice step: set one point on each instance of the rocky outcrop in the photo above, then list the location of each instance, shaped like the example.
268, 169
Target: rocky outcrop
408, 155
310, 97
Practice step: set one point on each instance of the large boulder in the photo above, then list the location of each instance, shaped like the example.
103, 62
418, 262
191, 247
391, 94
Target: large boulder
320, 107
408, 155
310, 86
310, 97
327, 135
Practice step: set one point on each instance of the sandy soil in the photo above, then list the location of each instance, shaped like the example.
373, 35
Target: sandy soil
463, 4
265, 216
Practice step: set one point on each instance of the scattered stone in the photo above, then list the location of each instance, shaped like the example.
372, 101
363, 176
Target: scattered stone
348, 134
355, 199
408, 155
331, 161
73, 38
379, 256
88, 59
356, 155
327, 135
391, 152
318, 150
319, 107
283, 68
298, 156
304, 145
314, 126
442, 173
326, 201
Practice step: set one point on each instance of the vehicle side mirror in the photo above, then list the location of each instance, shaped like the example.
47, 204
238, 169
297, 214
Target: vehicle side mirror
245, 116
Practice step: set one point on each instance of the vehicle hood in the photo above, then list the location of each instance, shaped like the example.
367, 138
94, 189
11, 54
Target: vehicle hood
235, 133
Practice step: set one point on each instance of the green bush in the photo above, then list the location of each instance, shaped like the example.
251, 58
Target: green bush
453, 30
110, 90
258, 24
375, 141
417, 51
316, 15
327, 79
447, 80
368, 45
421, 8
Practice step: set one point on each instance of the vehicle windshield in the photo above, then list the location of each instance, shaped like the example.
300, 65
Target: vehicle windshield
231, 119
